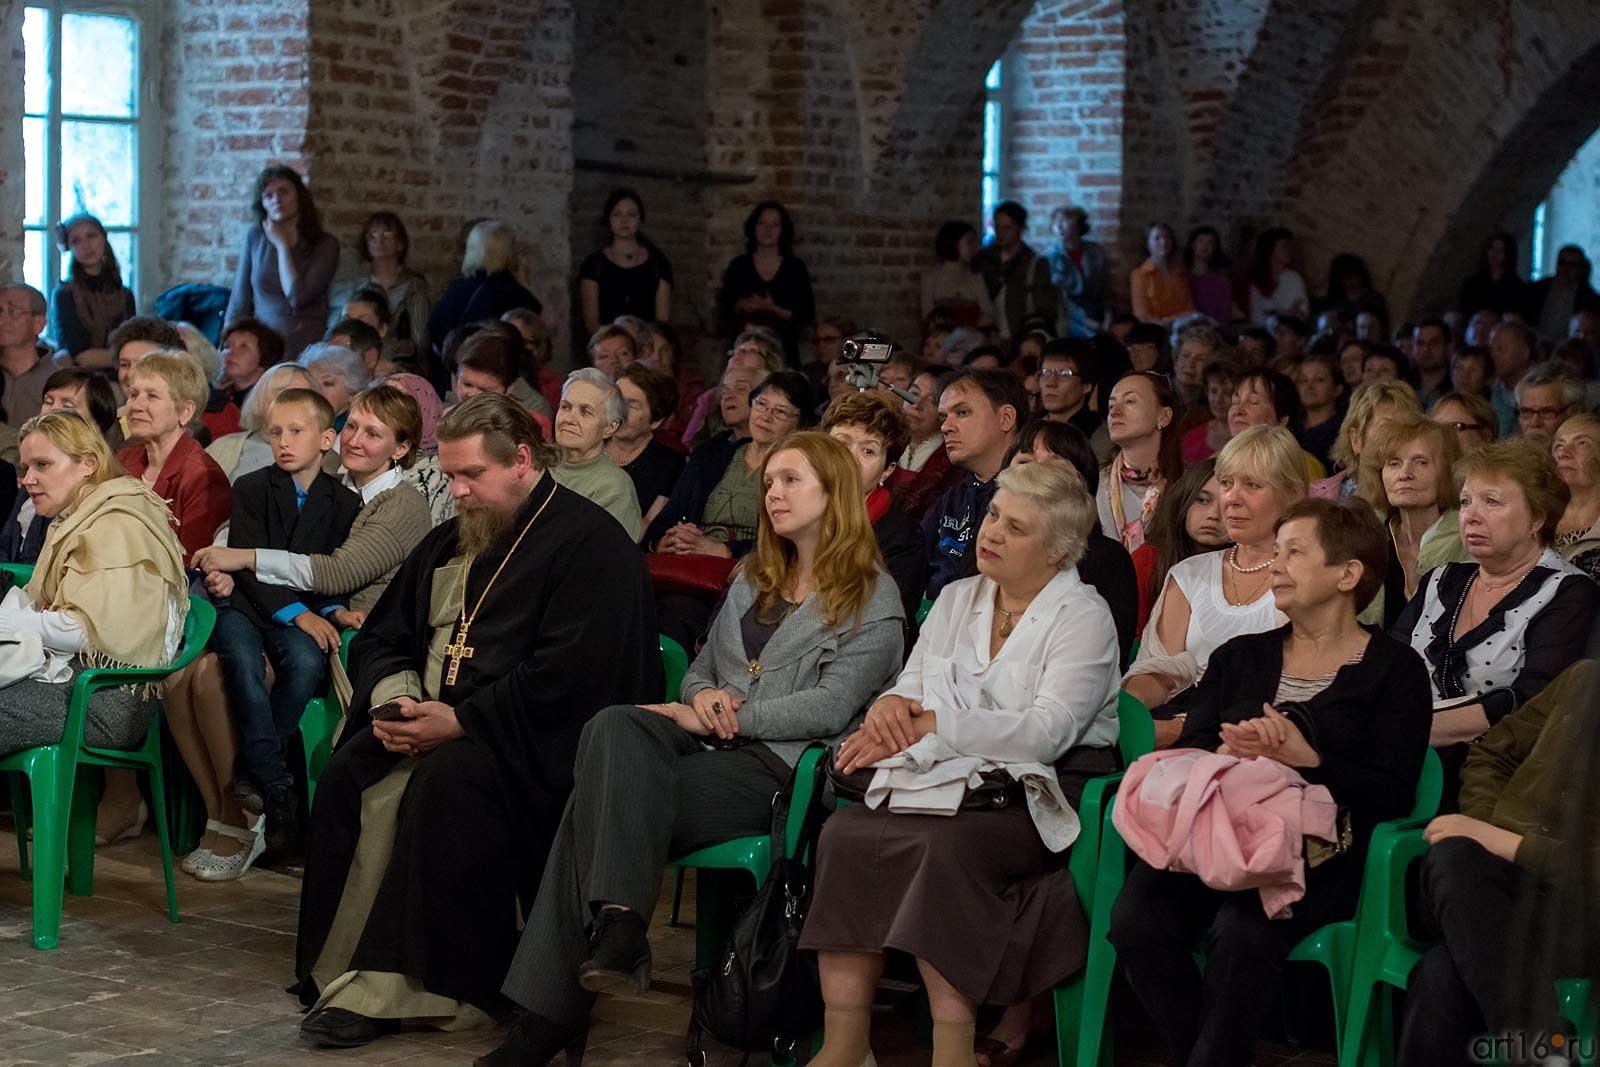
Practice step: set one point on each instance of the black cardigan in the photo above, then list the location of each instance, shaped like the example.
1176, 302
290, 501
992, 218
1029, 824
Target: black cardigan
900, 540
1372, 722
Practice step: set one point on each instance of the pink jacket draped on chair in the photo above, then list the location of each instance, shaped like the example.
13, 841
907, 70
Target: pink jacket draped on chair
1236, 823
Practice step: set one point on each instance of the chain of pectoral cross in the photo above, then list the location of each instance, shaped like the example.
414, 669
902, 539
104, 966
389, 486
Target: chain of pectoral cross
460, 650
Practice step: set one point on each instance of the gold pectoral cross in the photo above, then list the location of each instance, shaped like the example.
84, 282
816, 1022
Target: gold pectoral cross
457, 652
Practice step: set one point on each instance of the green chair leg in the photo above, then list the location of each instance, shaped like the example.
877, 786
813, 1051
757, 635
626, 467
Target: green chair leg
49, 847
159, 801
19, 811
80, 832
677, 897
715, 908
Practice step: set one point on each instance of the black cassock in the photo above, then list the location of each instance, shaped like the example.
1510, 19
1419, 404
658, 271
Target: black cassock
567, 629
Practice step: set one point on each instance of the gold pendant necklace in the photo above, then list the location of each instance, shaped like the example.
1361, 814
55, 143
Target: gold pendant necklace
1010, 622
460, 650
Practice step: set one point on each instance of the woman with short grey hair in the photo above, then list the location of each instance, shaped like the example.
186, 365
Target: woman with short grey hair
338, 374
591, 410
1015, 678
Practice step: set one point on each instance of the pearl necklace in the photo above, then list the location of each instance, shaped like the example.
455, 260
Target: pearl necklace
1232, 559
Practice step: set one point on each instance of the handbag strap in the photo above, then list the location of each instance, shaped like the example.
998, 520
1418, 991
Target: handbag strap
811, 818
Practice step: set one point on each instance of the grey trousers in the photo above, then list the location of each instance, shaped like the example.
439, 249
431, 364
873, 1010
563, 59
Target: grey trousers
645, 791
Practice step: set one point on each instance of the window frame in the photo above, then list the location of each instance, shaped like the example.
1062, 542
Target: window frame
997, 83
145, 15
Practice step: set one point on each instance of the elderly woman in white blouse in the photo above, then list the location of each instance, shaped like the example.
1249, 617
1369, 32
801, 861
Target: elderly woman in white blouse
1214, 596
1014, 676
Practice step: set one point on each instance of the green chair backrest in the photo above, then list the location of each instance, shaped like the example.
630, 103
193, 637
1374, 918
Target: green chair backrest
1430, 787
22, 571
1136, 731
674, 665
922, 612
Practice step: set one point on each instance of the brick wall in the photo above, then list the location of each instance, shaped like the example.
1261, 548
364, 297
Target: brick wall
11, 162
1068, 90
640, 113
1385, 126
234, 98
446, 112
797, 100
1424, 147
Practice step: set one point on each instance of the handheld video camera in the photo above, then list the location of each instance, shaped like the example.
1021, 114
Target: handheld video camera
863, 357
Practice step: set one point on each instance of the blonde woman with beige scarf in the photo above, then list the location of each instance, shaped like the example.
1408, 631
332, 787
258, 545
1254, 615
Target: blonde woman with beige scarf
108, 590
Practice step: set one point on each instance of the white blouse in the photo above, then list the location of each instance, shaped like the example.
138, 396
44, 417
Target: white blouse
1052, 686
1212, 620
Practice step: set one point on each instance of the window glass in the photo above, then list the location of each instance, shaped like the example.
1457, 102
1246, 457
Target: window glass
34, 158
98, 56
33, 260
36, 68
97, 171
126, 244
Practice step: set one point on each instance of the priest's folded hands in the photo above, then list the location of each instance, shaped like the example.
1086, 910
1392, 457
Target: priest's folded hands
423, 726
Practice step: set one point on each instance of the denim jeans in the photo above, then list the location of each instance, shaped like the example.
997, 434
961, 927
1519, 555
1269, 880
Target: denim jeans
266, 722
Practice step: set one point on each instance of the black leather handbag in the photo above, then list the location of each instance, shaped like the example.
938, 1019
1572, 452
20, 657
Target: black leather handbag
761, 995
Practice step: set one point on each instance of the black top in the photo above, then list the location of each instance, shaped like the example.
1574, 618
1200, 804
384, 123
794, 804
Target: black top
1318, 440
1480, 293
900, 540
626, 290
790, 288
476, 298
68, 330
654, 472
1108, 567
756, 628
1371, 724
265, 515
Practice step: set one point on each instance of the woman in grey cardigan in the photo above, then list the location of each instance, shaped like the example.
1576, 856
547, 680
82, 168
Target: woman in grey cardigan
809, 632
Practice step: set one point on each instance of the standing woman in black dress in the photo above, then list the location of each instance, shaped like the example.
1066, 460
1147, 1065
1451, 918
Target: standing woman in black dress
768, 286
630, 275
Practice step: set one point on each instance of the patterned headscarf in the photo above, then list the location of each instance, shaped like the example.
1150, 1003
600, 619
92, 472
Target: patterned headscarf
429, 403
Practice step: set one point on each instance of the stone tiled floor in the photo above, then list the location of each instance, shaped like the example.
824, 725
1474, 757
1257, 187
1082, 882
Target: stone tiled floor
127, 986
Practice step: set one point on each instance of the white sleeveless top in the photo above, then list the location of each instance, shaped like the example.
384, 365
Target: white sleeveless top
1212, 620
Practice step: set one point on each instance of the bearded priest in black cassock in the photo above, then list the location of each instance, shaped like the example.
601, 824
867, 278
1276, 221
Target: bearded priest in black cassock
498, 638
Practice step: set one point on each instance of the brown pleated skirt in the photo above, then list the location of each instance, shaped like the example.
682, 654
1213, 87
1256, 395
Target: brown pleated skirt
975, 894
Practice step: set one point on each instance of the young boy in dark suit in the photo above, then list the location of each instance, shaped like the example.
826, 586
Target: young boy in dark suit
296, 506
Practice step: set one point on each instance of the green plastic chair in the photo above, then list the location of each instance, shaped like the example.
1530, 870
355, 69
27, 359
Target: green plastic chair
1079, 1031
1384, 952
714, 908
922, 611
62, 808
320, 722
1332, 946
674, 665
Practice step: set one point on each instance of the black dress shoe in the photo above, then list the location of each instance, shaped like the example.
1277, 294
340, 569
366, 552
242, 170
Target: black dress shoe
619, 954
338, 1028
534, 1041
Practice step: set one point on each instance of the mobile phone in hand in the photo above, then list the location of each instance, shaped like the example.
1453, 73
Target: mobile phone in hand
387, 712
